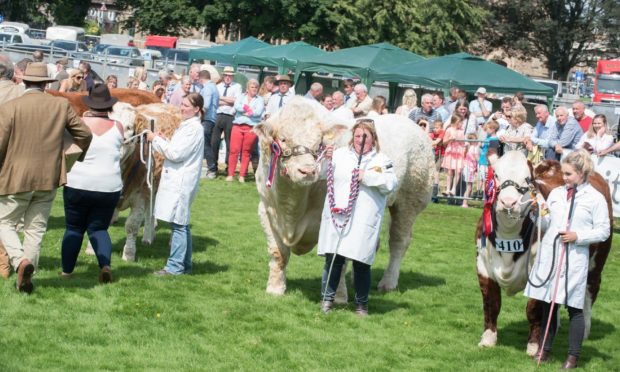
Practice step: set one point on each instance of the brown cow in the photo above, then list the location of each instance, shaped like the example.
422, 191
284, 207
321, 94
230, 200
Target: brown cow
511, 219
132, 96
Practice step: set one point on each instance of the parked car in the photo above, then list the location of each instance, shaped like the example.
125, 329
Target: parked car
71, 46
91, 41
64, 33
117, 39
99, 48
14, 37
172, 56
123, 56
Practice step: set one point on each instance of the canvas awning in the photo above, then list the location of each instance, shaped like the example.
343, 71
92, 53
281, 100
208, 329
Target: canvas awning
284, 57
226, 53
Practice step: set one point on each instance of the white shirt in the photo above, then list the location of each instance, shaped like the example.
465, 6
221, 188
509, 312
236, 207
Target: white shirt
274, 102
597, 143
234, 90
100, 171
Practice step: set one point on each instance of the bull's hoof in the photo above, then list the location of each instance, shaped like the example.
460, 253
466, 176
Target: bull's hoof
276, 290
147, 241
386, 286
532, 348
89, 250
489, 339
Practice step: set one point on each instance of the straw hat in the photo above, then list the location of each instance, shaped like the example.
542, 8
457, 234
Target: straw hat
99, 98
37, 72
229, 70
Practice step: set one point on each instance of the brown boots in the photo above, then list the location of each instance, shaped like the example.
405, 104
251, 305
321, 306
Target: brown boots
570, 362
24, 276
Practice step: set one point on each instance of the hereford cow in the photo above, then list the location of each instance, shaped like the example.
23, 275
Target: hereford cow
502, 261
290, 210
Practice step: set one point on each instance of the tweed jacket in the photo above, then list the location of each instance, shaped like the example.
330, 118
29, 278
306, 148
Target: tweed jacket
31, 142
9, 90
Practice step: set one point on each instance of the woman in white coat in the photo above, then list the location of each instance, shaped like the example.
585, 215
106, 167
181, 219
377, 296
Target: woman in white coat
179, 182
589, 224
358, 239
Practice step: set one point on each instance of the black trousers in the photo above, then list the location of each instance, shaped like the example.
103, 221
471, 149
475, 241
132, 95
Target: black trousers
576, 328
208, 126
223, 124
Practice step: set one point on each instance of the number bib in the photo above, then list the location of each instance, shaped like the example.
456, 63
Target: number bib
509, 245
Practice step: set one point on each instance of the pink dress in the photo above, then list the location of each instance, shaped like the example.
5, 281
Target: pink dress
471, 163
455, 150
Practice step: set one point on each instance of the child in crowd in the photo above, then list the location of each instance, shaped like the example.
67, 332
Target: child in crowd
489, 146
454, 154
437, 137
472, 153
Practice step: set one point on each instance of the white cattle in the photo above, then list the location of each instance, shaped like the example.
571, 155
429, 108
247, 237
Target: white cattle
290, 210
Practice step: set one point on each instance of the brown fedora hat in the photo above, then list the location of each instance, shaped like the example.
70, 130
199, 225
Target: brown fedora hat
284, 78
36, 72
99, 98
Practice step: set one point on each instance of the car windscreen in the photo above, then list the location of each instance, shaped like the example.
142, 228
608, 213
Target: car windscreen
118, 52
64, 45
179, 55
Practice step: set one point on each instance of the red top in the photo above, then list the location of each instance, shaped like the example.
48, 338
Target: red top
585, 123
440, 149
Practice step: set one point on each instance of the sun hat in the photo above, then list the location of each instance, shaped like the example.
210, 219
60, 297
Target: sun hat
99, 98
229, 70
37, 72
284, 78
481, 90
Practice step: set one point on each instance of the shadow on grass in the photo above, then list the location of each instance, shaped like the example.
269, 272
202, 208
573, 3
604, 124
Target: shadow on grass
311, 288
514, 335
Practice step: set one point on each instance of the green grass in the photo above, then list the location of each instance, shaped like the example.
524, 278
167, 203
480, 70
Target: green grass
220, 318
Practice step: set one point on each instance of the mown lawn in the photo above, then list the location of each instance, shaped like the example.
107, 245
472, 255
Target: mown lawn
220, 318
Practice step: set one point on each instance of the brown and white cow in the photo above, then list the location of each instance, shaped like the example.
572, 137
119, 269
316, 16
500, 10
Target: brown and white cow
133, 97
290, 211
511, 220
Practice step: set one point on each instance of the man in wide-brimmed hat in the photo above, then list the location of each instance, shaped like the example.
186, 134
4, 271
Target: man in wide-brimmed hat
32, 166
229, 92
279, 99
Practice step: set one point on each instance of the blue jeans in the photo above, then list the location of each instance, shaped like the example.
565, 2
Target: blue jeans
361, 279
87, 211
208, 125
180, 260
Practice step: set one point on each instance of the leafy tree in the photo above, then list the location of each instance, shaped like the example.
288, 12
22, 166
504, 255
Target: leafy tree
30, 12
69, 12
171, 17
559, 31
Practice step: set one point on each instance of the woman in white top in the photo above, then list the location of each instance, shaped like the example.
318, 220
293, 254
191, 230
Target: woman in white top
358, 239
514, 137
378, 107
94, 186
179, 182
596, 139
588, 224
410, 103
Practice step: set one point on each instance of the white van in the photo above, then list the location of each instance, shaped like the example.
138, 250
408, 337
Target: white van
70, 33
14, 27
116, 39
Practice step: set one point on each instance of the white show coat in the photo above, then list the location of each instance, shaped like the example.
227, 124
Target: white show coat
360, 236
591, 223
180, 175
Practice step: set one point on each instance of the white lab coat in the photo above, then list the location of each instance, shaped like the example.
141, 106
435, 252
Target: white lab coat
591, 223
180, 175
360, 236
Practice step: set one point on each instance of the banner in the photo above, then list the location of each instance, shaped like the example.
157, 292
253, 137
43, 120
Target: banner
609, 168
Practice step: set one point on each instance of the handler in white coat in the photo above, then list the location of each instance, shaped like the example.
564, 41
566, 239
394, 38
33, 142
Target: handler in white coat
358, 240
589, 224
179, 182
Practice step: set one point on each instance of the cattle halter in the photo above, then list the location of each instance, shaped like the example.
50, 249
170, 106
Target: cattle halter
277, 152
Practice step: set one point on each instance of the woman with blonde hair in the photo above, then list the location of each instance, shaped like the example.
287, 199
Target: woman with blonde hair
74, 83
266, 88
378, 107
355, 239
596, 139
410, 103
141, 74
249, 109
514, 137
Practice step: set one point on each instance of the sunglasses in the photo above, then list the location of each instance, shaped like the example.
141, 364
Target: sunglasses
79, 77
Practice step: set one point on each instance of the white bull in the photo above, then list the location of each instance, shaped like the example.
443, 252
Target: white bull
290, 211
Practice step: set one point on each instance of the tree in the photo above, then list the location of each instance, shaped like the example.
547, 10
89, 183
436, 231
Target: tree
171, 17
29, 12
69, 12
559, 31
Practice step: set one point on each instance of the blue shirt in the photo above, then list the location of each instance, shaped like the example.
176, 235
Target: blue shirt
256, 105
540, 137
212, 100
566, 135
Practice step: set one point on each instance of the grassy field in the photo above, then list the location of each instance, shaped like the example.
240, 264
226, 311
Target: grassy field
220, 318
